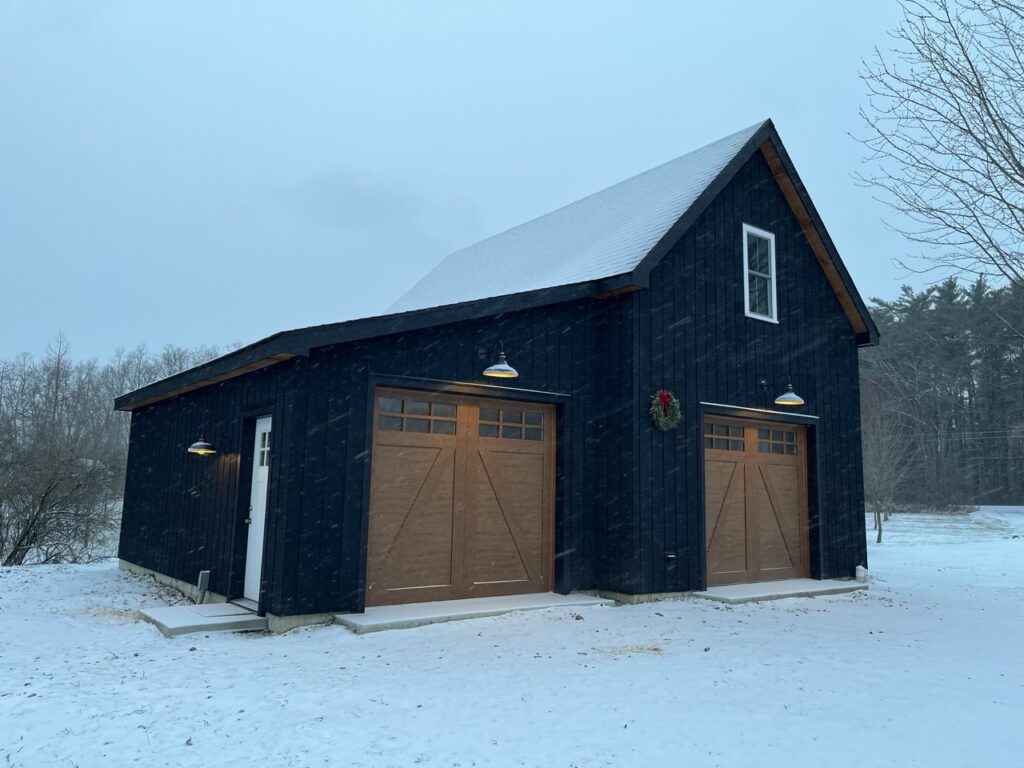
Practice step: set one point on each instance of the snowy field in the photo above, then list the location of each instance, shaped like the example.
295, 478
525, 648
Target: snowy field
924, 669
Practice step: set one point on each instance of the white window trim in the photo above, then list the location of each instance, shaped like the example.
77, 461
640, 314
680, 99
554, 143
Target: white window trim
774, 317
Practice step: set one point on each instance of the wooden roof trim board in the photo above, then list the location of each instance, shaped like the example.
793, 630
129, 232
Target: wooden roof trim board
230, 374
815, 240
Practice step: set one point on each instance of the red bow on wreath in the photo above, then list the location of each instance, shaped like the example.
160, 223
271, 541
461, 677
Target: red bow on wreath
665, 398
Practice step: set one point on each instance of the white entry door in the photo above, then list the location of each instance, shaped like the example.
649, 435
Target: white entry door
257, 509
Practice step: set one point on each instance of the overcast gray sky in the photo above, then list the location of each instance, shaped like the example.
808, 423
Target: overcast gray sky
206, 172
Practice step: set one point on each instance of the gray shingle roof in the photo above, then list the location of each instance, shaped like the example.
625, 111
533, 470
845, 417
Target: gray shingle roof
603, 235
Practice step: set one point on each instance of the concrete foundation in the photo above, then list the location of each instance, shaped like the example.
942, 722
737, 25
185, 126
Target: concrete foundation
650, 597
186, 589
279, 624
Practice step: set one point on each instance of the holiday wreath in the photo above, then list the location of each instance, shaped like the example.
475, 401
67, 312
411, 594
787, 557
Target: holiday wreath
665, 411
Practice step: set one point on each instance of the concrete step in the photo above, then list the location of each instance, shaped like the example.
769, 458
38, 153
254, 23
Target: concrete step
735, 594
214, 617
418, 614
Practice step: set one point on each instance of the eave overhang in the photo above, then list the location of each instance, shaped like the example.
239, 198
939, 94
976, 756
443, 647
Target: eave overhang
298, 343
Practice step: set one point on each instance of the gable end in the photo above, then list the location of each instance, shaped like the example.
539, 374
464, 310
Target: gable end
767, 141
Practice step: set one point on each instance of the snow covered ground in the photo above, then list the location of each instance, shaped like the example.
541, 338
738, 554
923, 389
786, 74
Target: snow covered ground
923, 669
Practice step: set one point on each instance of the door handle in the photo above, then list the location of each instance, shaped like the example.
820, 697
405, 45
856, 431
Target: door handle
248, 521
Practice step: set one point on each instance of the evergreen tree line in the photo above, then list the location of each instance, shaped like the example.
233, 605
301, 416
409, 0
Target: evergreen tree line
942, 397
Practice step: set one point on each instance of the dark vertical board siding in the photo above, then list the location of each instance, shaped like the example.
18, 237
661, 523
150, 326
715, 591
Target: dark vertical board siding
627, 494
857, 522
622, 458
653, 486
317, 562
181, 512
288, 564
695, 304
694, 359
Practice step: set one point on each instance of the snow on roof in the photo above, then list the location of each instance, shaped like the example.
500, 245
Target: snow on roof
605, 234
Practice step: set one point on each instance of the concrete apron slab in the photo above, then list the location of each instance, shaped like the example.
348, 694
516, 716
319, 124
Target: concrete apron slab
734, 594
216, 617
419, 614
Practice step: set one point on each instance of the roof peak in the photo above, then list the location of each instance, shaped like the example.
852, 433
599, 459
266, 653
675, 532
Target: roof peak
749, 131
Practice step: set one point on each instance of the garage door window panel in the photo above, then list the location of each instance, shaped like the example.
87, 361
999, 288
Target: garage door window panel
414, 415
777, 441
507, 423
724, 437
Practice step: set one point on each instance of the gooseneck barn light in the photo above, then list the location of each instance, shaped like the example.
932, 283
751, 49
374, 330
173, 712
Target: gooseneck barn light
789, 397
202, 446
501, 369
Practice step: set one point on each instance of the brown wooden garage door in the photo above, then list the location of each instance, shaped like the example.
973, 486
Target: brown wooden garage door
461, 498
755, 499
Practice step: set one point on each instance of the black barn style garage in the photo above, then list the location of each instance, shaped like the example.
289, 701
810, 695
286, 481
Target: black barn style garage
686, 414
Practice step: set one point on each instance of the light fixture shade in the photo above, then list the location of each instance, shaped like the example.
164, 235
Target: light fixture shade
789, 397
202, 447
501, 369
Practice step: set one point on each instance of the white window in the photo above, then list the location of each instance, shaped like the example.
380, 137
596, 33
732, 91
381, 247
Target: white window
264, 450
759, 273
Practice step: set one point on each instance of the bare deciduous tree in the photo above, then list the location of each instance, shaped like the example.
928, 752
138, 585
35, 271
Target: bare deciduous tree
63, 449
945, 118
887, 455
